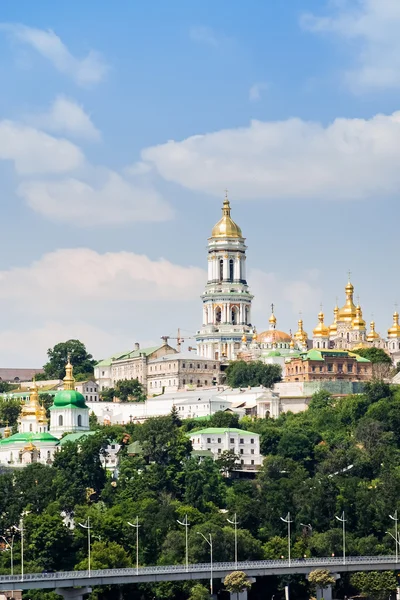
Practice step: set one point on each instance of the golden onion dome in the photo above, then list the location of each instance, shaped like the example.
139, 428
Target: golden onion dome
372, 335
244, 338
300, 335
7, 431
273, 336
358, 321
272, 319
291, 345
226, 227
394, 330
30, 408
348, 312
41, 414
321, 330
254, 334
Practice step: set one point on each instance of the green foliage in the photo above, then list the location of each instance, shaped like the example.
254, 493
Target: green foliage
80, 359
227, 461
126, 390
375, 355
243, 374
199, 592
237, 582
379, 585
106, 555
9, 411
7, 387
224, 419
321, 578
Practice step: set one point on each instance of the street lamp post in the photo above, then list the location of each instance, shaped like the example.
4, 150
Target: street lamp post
288, 521
136, 525
343, 521
395, 519
186, 526
235, 523
210, 543
11, 547
88, 527
21, 530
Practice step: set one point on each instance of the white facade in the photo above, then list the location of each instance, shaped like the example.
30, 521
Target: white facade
110, 459
226, 298
88, 389
183, 370
245, 444
68, 420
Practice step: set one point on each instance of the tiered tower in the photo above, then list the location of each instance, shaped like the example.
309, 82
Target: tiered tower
226, 298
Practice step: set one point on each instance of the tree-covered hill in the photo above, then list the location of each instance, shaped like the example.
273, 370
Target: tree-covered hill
341, 454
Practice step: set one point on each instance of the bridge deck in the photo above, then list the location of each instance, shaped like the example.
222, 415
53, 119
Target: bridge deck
68, 579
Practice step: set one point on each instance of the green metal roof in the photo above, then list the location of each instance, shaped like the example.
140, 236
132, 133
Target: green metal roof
75, 437
29, 437
128, 354
221, 430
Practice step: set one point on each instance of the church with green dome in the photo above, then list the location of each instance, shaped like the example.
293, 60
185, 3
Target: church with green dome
35, 441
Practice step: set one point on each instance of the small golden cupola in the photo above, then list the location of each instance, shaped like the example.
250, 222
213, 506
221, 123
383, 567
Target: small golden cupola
333, 327
394, 330
321, 330
30, 409
272, 319
358, 321
372, 334
300, 335
244, 339
226, 227
348, 312
69, 381
7, 431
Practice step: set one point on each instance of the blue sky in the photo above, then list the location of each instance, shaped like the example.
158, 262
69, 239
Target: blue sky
120, 128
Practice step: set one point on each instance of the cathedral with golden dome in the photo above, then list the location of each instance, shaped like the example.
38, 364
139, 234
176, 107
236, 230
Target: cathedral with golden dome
227, 332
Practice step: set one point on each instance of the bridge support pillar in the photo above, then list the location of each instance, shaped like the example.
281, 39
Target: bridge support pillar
325, 593
73, 593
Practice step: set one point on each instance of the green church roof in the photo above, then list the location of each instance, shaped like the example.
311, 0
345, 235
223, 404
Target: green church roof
70, 399
29, 437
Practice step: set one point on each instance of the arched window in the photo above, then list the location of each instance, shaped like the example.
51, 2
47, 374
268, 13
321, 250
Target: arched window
30, 427
218, 315
231, 270
60, 421
234, 315
221, 269
79, 420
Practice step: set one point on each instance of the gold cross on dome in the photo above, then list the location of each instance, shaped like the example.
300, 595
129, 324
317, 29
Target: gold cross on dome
349, 275
226, 192
272, 308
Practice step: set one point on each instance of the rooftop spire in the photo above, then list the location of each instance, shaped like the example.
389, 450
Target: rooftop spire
69, 381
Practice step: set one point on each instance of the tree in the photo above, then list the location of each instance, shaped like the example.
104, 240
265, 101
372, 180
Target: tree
377, 584
224, 419
9, 411
321, 578
106, 555
199, 592
381, 362
6, 387
227, 461
81, 360
236, 582
243, 374
130, 390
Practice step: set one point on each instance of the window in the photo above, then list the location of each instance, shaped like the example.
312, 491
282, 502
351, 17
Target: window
184, 381
60, 421
103, 373
183, 365
252, 462
151, 384
241, 440
241, 450
30, 427
112, 446
313, 369
232, 441
198, 366
208, 440
252, 441
219, 440
205, 382
340, 368
252, 451
349, 368
214, 367
219, 450
190, 380
221, 269
330, 367
79, 420
320, 369
191, 366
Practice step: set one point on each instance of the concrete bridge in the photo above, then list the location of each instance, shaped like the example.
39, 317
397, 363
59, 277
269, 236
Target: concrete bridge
63, 581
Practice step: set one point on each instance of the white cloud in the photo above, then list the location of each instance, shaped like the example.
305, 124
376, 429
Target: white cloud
67, 117
347, 159
205, 35
107, 198
33, 151
256, 90
375, 25
84, 71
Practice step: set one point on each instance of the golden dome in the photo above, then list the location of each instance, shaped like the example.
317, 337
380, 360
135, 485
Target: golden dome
333, 327
244, 338
348, 312
273, 336
321, 329
69, 381
272, 319
300, 335
394, 330
31, 407
41, 414
226, 227
358, 321
372, 335
7, 431
291, 345
254, 335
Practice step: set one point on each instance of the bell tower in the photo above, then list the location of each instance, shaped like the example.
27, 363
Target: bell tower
226, 298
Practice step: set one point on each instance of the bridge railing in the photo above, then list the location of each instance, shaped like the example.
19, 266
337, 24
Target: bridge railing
201, 568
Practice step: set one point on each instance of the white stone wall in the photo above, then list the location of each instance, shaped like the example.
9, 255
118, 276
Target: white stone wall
245, 445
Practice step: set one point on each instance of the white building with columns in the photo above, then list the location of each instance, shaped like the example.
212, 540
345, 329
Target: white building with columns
226, 298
